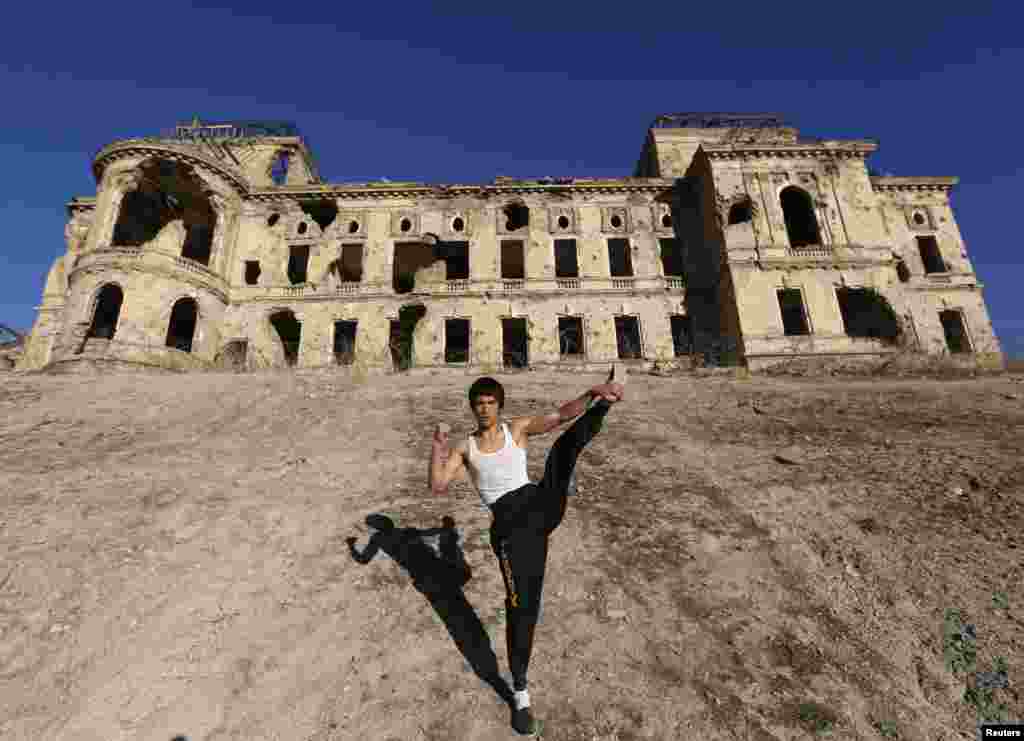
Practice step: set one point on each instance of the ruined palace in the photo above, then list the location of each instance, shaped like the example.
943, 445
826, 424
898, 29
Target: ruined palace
735, 240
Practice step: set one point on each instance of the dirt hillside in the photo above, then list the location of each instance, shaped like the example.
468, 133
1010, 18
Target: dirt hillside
747, 559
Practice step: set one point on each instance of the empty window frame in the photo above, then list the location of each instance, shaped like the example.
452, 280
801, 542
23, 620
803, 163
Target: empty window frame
682, 334
566, 263
345, 342
955, 330
252, 272
279, 168
671, 257
794, 317
865, 315
298, 263
350, 266
513, 264
106, 313
620, 259
801, 223
409, 258
514, 343
930, 255
456, 340
182, 326
570, 336
627, 338
456, 260
289, 331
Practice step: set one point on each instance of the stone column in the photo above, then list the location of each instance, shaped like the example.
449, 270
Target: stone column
118, 186
217, 249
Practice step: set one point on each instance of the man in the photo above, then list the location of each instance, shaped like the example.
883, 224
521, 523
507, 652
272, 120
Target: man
524, 513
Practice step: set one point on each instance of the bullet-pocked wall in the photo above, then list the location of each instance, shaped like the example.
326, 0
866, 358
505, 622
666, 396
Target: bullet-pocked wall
743, 240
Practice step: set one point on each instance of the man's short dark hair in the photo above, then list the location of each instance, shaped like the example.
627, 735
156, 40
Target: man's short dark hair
487, 386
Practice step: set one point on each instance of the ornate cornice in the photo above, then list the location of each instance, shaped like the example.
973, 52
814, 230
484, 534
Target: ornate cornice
167, 149
373, 191
889, 183
799, 150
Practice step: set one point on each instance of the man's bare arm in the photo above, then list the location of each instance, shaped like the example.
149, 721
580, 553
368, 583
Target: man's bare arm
544, 423
445, 464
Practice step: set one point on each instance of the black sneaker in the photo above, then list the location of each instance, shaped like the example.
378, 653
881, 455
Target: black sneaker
522, 721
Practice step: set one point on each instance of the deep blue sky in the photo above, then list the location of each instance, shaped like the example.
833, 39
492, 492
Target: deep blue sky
458, 92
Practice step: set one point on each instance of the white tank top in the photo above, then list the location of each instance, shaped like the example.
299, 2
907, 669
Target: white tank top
496, 474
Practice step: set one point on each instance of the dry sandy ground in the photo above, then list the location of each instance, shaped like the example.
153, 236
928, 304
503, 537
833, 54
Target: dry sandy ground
175, 560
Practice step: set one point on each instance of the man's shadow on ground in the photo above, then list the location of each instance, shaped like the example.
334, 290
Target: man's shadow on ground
440, 578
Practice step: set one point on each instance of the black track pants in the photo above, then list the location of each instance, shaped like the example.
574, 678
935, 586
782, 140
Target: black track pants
523, 521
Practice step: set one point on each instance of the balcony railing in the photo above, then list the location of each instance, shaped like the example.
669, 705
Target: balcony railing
567, 283
456, 286
813, 250
627, 283
152, 256
510, 285
672, 282
297, 290
348, 287
194, 267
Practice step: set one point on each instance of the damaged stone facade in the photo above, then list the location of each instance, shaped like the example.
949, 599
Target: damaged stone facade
735, 240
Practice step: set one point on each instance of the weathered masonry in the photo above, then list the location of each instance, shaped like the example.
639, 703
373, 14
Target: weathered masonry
735, 239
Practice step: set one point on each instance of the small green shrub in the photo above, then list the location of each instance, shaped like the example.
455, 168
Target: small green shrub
817, 717
887, 729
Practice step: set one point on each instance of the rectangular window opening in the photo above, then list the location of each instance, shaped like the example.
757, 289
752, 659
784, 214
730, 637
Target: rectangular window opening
252, 272
456, 340
627, 337
566, 265
400, 345
351, 264
514, 344
671, 257
682, 334
570, 336
409, 258
345, 342
930, 255
513, 265
794, 318
955, 331
456, 261
619, 258
298, 262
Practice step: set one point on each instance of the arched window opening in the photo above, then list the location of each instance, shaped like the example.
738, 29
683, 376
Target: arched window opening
801, 224
517, 216
108, 309
167, 192
741, 212
182, 327
279, 168
142, 215
289, 331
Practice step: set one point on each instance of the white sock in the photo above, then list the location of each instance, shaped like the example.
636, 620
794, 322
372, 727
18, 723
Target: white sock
522, 699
